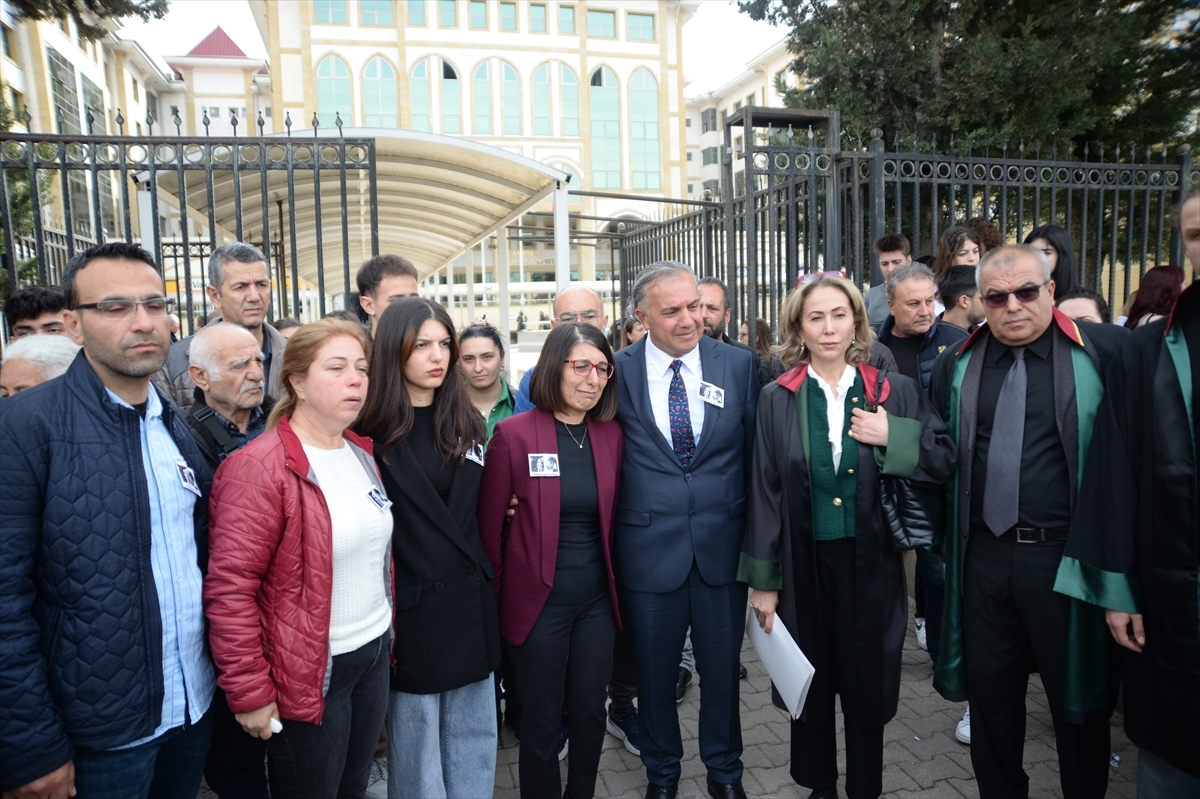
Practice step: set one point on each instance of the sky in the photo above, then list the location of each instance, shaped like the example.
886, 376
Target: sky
717, 40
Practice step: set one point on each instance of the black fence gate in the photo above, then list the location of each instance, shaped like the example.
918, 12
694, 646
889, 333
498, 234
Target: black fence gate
800, 203
180, 197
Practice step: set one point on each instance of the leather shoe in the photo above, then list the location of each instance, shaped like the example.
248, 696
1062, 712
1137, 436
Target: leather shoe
742, 673
722, 790
682, 683
661, 791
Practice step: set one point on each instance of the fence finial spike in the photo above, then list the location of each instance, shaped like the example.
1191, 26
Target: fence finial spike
1087, 149
149, 124
287, 121
316, 123
205, 121
233, 120
90, 119
262, 124
337, 120
120, 120
26, 117
178, 122
933, 144
952, 143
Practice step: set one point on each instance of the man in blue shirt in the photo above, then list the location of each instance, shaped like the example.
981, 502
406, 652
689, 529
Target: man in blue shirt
105, 673
572, 304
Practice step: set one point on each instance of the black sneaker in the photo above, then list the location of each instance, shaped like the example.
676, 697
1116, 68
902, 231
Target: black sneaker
624, 724
681, 684
742, 673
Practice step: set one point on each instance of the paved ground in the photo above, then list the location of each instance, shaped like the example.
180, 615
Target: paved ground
921, 757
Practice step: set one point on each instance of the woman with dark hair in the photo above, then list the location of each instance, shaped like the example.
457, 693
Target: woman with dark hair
299, 585
816, 551
958, 246
762, 337
1055, 243
632, 331
481, 360
441, 714
986, 231
553, 561
1157, 292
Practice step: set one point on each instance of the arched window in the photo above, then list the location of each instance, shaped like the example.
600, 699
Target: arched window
512, 101
643, 132
451, 100
605, 117
420, 96
570, 102
541, 101
333, 91
481, 99
380, 109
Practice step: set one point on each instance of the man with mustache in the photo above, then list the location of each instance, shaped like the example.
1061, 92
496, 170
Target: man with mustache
105, 674
916, 336
239, 288
230, 411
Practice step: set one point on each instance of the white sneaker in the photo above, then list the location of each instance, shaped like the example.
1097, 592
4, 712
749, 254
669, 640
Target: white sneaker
921, 633
377, 782
963, 731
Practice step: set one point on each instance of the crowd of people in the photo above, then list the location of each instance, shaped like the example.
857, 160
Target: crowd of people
334, 558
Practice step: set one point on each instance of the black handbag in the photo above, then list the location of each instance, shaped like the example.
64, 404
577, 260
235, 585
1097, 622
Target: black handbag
913, 510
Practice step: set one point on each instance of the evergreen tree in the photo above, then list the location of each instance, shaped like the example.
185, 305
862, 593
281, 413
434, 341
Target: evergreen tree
1045, 72
88, 13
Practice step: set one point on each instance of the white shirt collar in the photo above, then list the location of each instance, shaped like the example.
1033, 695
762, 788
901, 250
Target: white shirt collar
658, 363
843, 384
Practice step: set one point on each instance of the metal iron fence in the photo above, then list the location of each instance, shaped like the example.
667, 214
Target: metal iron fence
799, 205
181, 197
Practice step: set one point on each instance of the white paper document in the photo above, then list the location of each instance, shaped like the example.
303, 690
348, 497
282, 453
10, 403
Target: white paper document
787, 666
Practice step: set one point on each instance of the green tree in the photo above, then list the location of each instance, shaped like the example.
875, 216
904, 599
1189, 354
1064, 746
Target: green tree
1062, 72
20, 203
88, 13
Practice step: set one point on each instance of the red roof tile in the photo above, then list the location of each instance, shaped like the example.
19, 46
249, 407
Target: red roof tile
217, 44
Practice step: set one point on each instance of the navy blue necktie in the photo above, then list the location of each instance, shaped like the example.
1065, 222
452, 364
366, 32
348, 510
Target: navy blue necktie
681, 417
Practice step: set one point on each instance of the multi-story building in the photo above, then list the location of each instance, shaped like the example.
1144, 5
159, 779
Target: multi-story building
591, 87
759, 85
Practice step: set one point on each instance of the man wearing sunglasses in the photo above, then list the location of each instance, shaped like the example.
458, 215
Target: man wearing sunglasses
103, 502
572, 304
1019, 396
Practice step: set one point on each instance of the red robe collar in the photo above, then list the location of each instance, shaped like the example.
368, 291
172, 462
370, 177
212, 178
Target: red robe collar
793, 378
1065, 323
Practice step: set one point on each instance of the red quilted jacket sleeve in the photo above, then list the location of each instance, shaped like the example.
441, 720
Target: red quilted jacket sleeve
246, 523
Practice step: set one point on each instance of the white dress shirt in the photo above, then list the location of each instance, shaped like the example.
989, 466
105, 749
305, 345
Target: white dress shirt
836, 409
658, 381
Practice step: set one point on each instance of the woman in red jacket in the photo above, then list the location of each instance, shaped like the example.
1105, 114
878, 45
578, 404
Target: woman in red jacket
553, 561
298, 591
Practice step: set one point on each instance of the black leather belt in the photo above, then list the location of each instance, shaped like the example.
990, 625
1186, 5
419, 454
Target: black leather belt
1037, 535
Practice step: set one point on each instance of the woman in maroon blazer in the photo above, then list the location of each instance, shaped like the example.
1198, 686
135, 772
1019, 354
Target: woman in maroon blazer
553, 560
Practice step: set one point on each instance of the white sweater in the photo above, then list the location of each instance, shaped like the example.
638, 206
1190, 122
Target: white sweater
361, 532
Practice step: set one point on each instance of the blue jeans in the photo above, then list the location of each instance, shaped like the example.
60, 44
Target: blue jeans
443, 745
933, 572
1157, 778
169, 767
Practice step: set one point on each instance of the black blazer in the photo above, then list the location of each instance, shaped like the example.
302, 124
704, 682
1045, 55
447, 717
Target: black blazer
447, 630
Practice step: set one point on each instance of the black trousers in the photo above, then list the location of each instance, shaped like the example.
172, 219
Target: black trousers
237, 761
569, 650
814, 736
1014, 625
622, 690
333, 758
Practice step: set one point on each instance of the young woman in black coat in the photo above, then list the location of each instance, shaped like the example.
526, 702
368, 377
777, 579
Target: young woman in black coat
429, 444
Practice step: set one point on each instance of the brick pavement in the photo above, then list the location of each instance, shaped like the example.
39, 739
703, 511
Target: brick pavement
921, 757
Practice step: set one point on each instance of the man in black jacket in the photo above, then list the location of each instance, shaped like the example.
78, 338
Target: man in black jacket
912, 331
715, 312
105, 674
231, 409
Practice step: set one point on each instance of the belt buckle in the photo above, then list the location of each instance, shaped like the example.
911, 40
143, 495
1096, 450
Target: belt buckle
1041, 535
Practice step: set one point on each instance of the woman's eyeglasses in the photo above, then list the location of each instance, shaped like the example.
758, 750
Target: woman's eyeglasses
1025, 294
604, 369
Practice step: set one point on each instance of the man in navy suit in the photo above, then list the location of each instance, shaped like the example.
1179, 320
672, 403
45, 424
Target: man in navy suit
680, 519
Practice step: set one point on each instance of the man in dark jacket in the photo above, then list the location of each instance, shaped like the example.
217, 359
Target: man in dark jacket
715, 312
105, 673
912, 331
230, 411
239, 288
